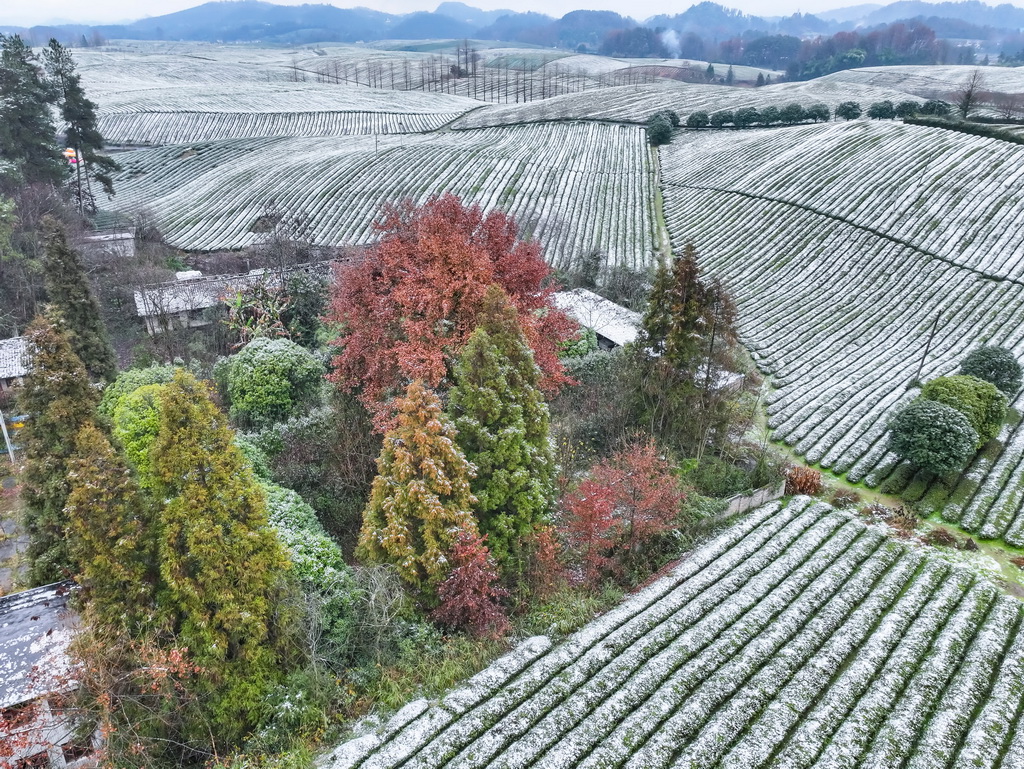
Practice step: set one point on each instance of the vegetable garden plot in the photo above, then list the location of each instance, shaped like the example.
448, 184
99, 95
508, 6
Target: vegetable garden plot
840, 260
799, 638
574, 187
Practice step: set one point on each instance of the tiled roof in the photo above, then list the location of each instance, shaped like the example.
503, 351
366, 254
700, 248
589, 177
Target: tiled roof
13, 358
36, 627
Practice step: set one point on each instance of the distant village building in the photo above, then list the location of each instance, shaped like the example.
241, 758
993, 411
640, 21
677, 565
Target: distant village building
109, 244
181, 303
13, 362
614, 325
36, 628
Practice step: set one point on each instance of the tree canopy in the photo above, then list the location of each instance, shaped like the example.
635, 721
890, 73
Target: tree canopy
997, 365
68, 289
502, 425
978, 400
27, 133
932, 436
60, 401
222, 569
409, 307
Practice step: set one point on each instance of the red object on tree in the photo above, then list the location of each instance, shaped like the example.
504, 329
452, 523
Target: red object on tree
409, 307
471, 594
630, 499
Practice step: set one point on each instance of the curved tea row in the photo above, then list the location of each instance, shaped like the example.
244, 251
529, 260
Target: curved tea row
799, 638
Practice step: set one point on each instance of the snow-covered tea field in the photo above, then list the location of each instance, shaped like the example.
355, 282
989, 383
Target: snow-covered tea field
798, 638
842, 244
576, 187
930, 81
636, 103
194, 113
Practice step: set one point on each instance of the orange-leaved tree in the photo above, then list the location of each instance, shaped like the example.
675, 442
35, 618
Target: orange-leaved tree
408, 308
421, 498
613, 521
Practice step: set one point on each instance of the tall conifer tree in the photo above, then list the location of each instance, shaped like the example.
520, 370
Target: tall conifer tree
81, 134
222, 569
502, 424
673, 350
111, 537
27, 135
421, 498
68, 288
59, 401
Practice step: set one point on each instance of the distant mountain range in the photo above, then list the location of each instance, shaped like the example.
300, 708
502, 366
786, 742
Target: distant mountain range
256, 21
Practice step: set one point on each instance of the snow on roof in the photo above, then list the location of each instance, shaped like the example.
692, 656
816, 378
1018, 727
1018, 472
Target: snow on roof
36, 628
193, 291
797, 624
610, 320
13, 358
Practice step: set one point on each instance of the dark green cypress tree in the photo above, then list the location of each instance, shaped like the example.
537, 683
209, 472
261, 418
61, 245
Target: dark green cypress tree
223, 573
503, 425
676, 314
27, 135
59, 401
672, 349
514, 481
81, 133
68, 290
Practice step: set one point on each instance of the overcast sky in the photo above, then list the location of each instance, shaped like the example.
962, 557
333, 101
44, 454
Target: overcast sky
28, 12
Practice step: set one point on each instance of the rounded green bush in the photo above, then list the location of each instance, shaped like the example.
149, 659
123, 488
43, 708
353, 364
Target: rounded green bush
932, 436
136, 422
268, 380
978, 400
131, 380
659, 129
996, 365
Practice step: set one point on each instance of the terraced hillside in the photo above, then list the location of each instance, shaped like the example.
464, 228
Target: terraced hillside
930, 81
636, 103
576, 187
841, 258
798, 638
194, 113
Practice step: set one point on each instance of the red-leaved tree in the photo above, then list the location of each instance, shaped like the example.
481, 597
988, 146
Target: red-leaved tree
470, 597
407, 309
614, 516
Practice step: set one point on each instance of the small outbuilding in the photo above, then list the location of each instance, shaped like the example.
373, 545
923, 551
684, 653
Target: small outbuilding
36, 629
614, 325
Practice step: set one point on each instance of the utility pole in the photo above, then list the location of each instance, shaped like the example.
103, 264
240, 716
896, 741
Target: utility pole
7, 438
